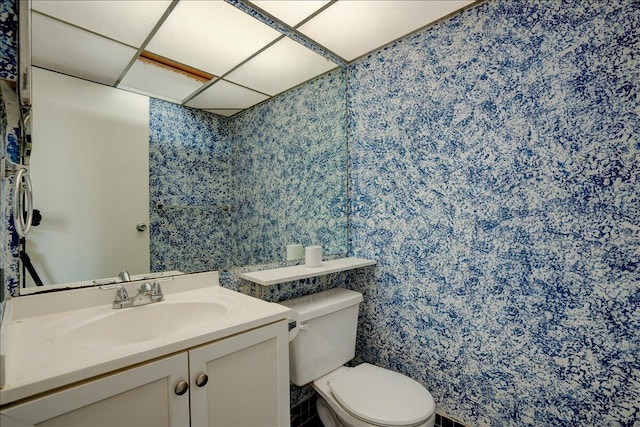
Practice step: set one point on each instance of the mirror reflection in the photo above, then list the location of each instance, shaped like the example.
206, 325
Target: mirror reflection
219, 192
137, 180
210, 55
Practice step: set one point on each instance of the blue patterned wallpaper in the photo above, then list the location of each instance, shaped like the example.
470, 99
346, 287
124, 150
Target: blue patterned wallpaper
289, 172
8, 40
237, 191
189, 188
495, 177
8, 71
9, 112
3, 206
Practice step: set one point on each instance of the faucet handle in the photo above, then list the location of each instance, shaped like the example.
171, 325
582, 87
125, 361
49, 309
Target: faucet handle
145, 288
121, 293
156, 291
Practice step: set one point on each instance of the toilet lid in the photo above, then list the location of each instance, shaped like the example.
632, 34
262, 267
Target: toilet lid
382, 397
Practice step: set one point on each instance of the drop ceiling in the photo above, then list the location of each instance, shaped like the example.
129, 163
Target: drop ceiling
220, 56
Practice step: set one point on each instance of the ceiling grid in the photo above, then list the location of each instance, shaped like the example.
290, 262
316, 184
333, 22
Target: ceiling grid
248, 50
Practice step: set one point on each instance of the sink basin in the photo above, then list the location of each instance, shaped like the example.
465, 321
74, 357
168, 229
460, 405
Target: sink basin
60, 338
139, 324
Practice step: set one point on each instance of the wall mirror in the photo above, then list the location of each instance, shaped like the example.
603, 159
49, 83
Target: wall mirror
127, 182
147, 179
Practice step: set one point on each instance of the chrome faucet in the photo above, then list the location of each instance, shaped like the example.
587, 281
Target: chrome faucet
124, 276
147, 294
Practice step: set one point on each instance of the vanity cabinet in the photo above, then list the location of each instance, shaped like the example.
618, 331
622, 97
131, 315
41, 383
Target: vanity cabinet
242, 380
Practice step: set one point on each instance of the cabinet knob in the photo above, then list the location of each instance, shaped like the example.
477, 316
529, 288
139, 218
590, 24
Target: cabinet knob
201, 380
181, 388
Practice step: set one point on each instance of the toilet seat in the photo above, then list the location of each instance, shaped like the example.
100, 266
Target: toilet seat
382, 397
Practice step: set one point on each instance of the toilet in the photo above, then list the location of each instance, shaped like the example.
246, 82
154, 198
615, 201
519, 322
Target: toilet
362, 396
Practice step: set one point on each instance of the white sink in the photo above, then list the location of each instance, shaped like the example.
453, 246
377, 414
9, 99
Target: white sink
57, 338
137, 324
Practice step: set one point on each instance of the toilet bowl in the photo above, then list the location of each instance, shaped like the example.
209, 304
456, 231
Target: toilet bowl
368, 395
362, 396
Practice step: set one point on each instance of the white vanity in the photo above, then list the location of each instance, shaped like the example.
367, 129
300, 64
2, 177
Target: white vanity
205, 356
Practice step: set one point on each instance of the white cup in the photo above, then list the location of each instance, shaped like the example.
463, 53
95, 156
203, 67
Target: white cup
313, 256
294, 252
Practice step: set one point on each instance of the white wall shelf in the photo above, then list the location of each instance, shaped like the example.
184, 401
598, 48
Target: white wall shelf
298, 272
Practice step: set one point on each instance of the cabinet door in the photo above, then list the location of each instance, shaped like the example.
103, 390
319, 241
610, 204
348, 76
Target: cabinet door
140, 396
248, 380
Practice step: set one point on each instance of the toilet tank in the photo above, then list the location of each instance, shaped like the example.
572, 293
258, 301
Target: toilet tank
327, 336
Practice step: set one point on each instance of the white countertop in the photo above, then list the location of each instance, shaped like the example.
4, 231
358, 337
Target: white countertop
33, 363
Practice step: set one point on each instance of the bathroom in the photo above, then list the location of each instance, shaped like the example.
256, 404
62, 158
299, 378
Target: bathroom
493, 175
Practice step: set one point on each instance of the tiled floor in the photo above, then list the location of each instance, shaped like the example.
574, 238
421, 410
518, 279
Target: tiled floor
312, 422
305, 415
442, 421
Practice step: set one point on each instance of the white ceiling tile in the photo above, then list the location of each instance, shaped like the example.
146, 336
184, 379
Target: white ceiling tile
226, 113
353, 28
212, 36
291, 12
127, 21
285, 64
225, 95
159, 82
60, 47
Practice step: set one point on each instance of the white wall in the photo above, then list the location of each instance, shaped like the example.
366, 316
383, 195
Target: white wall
84, 136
